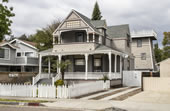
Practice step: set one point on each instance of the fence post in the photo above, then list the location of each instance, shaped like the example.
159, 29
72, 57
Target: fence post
53, 81
33, 80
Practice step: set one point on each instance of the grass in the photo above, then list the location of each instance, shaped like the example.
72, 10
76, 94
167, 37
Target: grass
26, 101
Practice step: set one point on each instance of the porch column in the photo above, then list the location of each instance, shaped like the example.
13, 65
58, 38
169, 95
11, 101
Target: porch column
49, 66
86, 66
54, 37
120, 64
115, 63
87, 37
59, 60
110, 64
100, 39
93, 37
40, 60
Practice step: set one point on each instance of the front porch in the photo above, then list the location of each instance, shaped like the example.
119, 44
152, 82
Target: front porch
87, 66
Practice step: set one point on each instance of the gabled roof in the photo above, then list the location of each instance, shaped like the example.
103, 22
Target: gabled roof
27, 43
84, 18
118, 31
99, 23
4, 43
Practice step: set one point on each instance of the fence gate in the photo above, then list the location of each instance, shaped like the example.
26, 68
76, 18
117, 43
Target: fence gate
132, 78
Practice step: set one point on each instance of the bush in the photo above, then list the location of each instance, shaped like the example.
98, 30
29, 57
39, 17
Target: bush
59, 83
105, 78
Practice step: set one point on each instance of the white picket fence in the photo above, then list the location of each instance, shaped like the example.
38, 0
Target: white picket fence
81, 89
43, 91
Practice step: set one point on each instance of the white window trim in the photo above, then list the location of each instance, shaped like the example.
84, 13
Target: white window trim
9, 53
24, 54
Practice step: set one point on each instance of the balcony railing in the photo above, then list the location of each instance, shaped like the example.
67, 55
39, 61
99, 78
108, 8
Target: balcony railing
82, 75
76, 46
27, 60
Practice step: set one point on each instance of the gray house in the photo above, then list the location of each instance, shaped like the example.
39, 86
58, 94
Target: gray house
142, 49
93, 48
18, 56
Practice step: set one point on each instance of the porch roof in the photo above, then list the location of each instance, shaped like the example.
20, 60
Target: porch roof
101, 49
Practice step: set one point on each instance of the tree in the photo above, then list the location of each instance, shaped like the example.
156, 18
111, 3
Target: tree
5, 22
62, 65
158, 53
166, 45
96, 15
23, 37
44, 37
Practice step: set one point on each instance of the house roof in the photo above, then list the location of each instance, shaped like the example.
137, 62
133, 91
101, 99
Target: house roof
87, 20
168, 59
99, 23
28, 43
3, 43
118, 31
31, 43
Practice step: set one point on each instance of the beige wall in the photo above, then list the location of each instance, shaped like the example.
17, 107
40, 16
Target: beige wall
136, 51
165, 68
156, 84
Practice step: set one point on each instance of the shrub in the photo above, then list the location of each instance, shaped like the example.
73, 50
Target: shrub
105, 78
59, 83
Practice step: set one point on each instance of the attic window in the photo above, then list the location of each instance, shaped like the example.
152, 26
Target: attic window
71, 24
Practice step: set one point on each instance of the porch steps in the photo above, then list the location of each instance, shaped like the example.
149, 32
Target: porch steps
45, 81
103, 93
120, 93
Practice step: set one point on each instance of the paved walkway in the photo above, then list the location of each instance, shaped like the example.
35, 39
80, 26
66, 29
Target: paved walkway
119, 94
102, 93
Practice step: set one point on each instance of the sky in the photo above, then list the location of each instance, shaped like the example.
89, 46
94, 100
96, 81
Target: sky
31, 15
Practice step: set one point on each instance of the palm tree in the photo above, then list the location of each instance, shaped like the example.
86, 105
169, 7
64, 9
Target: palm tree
62, 65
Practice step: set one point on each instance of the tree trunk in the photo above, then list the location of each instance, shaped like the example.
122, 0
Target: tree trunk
62, 75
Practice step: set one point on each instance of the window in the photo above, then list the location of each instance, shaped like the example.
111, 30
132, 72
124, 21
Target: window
97, 65
71, 24
143, 56
80, 37
79, 65
139, 42
18, 54
29, 54
97, 62
79, 62
4, 53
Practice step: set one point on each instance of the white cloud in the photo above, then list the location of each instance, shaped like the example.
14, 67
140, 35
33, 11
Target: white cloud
140, 14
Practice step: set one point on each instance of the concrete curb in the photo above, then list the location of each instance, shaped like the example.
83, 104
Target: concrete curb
20, 103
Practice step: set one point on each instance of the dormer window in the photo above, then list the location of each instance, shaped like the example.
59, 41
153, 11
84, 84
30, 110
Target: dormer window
71, 24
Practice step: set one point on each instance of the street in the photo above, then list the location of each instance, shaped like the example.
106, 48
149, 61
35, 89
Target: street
29, 108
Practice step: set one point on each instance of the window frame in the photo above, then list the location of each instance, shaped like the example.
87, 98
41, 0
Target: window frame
139, 45
143, 56
4, 53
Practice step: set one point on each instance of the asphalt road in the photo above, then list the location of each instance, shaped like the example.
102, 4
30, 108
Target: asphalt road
29, 108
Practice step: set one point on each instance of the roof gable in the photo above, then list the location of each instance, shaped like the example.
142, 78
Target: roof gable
27, 43
74, 15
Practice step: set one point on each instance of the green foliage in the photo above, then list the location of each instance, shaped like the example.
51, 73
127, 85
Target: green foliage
59, 83
62, 65
44, 37
96, 15
5, 22
23, 37
105, 78
158, 53
166, 45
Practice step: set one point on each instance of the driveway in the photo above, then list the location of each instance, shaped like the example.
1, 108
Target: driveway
145, 101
